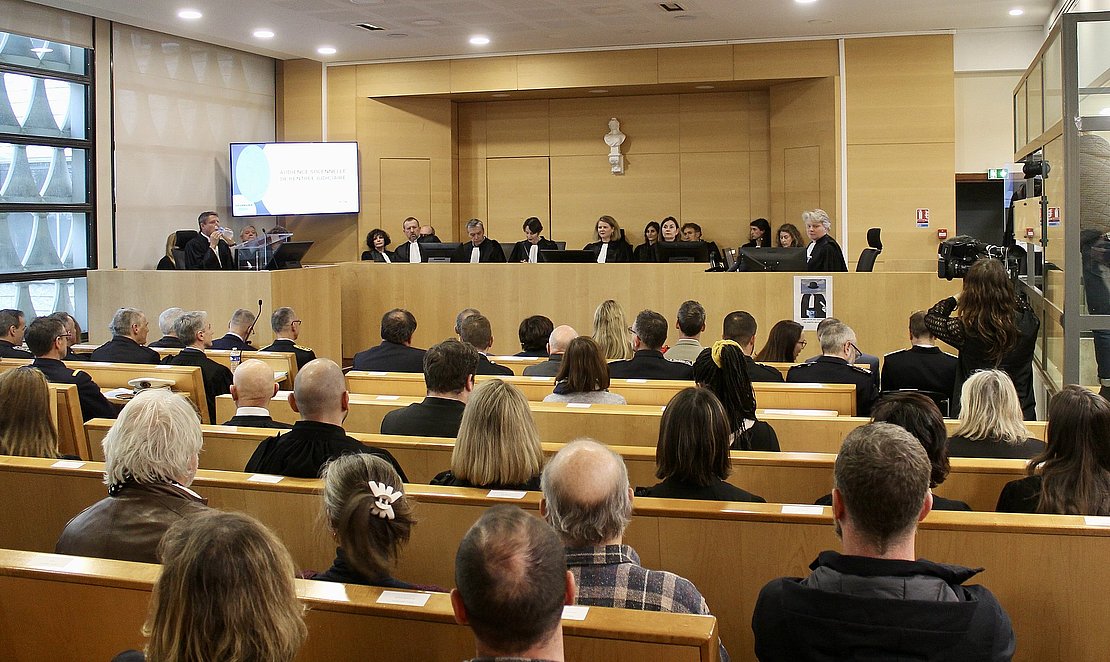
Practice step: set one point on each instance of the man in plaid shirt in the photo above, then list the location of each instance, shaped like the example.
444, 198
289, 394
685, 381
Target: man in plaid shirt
586, 498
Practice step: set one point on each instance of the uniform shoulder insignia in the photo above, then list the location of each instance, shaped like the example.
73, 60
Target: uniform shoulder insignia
77, 373
303, 348
860, 370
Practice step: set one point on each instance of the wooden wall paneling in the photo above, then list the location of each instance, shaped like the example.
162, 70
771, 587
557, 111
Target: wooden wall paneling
695, 64
716, 122
759, 186
715, 193
784, 59
594, 69
759, 119
650, 123
299, 97
471, 130
483, 74
803, 114
342, 116
517, 128
315, 293
582, 188
406, 190
801, 167
516, 189
473, 202
404, 78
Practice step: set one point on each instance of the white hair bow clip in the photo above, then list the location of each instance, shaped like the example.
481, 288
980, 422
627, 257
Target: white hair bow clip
384, 496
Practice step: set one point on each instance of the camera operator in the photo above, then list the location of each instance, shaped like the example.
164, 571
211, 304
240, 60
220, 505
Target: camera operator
993, 329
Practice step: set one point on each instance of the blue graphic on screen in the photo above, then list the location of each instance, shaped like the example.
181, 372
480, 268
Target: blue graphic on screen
251, 179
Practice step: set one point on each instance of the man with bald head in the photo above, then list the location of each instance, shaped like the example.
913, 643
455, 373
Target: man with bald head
252, 389
557, 344
320, 397
587, 500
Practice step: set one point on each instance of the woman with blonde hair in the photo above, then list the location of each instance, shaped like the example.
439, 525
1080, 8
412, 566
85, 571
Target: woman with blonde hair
583, 376
990, 420
226, 593
25, 422
168, 262
611, 331
611, 246
498, 446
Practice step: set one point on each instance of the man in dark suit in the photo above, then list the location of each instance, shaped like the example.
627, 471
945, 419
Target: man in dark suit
165, 324
923, 366
320, 397
649, 334
477, 332
395, 353
740, 327
410, 250
287, 328
557, 344
12, 328
481, 248
252, 389
834, 366
239, 330
209, 249
449, 369
129, 331
195, 330
48, 341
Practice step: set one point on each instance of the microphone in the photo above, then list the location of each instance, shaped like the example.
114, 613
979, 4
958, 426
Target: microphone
250, 329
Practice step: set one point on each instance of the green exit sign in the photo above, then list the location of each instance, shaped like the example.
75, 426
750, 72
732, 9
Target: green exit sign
997, 173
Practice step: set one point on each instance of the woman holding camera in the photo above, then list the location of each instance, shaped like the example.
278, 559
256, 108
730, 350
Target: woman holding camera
993, 329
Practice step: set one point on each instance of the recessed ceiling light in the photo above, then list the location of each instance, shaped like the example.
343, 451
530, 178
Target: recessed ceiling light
598, 91
326, 50
189, 14
703, 87
819, 21
263, 34
684, 17
500, 95
479, 40
1017, 11
805, 2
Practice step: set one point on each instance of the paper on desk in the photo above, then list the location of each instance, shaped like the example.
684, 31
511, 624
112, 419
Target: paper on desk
575, 612
506, 494
403, 598
68, 464
795, 509
264, 478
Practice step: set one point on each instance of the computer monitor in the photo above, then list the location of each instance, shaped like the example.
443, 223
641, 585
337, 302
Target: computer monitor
433, 252
568, 256
772, 259
289, 255
682, 251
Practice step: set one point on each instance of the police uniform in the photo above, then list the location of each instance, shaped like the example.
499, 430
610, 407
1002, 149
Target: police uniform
304, 354
93, 402
10, 351
835, 370
217, 378
121, 349
232, 341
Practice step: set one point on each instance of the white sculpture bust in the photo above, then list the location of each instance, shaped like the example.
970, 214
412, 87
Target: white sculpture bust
614, 139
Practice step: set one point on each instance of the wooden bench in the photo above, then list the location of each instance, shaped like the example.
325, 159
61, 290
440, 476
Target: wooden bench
345, 622
777, 477
1048, 571
284, 364
517, 363
658, 392
65, 413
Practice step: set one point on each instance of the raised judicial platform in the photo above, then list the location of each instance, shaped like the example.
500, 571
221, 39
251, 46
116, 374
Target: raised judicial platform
342, 304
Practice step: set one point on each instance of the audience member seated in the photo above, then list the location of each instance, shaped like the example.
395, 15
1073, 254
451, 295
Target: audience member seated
12, 327
449, 369
871, 360
166, 322
723, 371
475, 331
150, 458
586, 498
740, 327
252, 389
921, 417
480, 248
834, 366
788, 236
690, 322
877, 600
47, 339
923, 367
287, 328
557, 344
649, 334
784, 343
234, 600
610, 330
1071, 476
645, 252
759, 232
410, 250
498, 446
991, 422
583, 376
377, 241
129, 329
533, 333
168, 262
320, 396
692, 456
239, 329
528, 249
395, 353
73, 335
195, 330
512, 582
463, 314
370, 519
822, 253
25, 424
610, 244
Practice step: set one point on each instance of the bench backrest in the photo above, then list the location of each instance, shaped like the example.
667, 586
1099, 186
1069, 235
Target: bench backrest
281, 362
66, 414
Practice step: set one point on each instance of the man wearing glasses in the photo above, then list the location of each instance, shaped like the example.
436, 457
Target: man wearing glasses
286, 328
834, 366
48, 340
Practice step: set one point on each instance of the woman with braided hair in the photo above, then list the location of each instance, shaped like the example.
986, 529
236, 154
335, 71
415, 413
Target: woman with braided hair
722, 369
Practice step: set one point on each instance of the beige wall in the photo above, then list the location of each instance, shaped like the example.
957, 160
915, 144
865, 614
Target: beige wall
984, 124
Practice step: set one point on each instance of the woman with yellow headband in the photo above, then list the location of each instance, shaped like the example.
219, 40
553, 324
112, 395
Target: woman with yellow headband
722, 370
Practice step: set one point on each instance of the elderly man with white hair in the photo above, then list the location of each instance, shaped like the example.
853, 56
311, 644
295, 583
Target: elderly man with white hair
169, 339
587, 499
129, 329
150, 458
252, 388
195, 330
823, 254
836, 365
